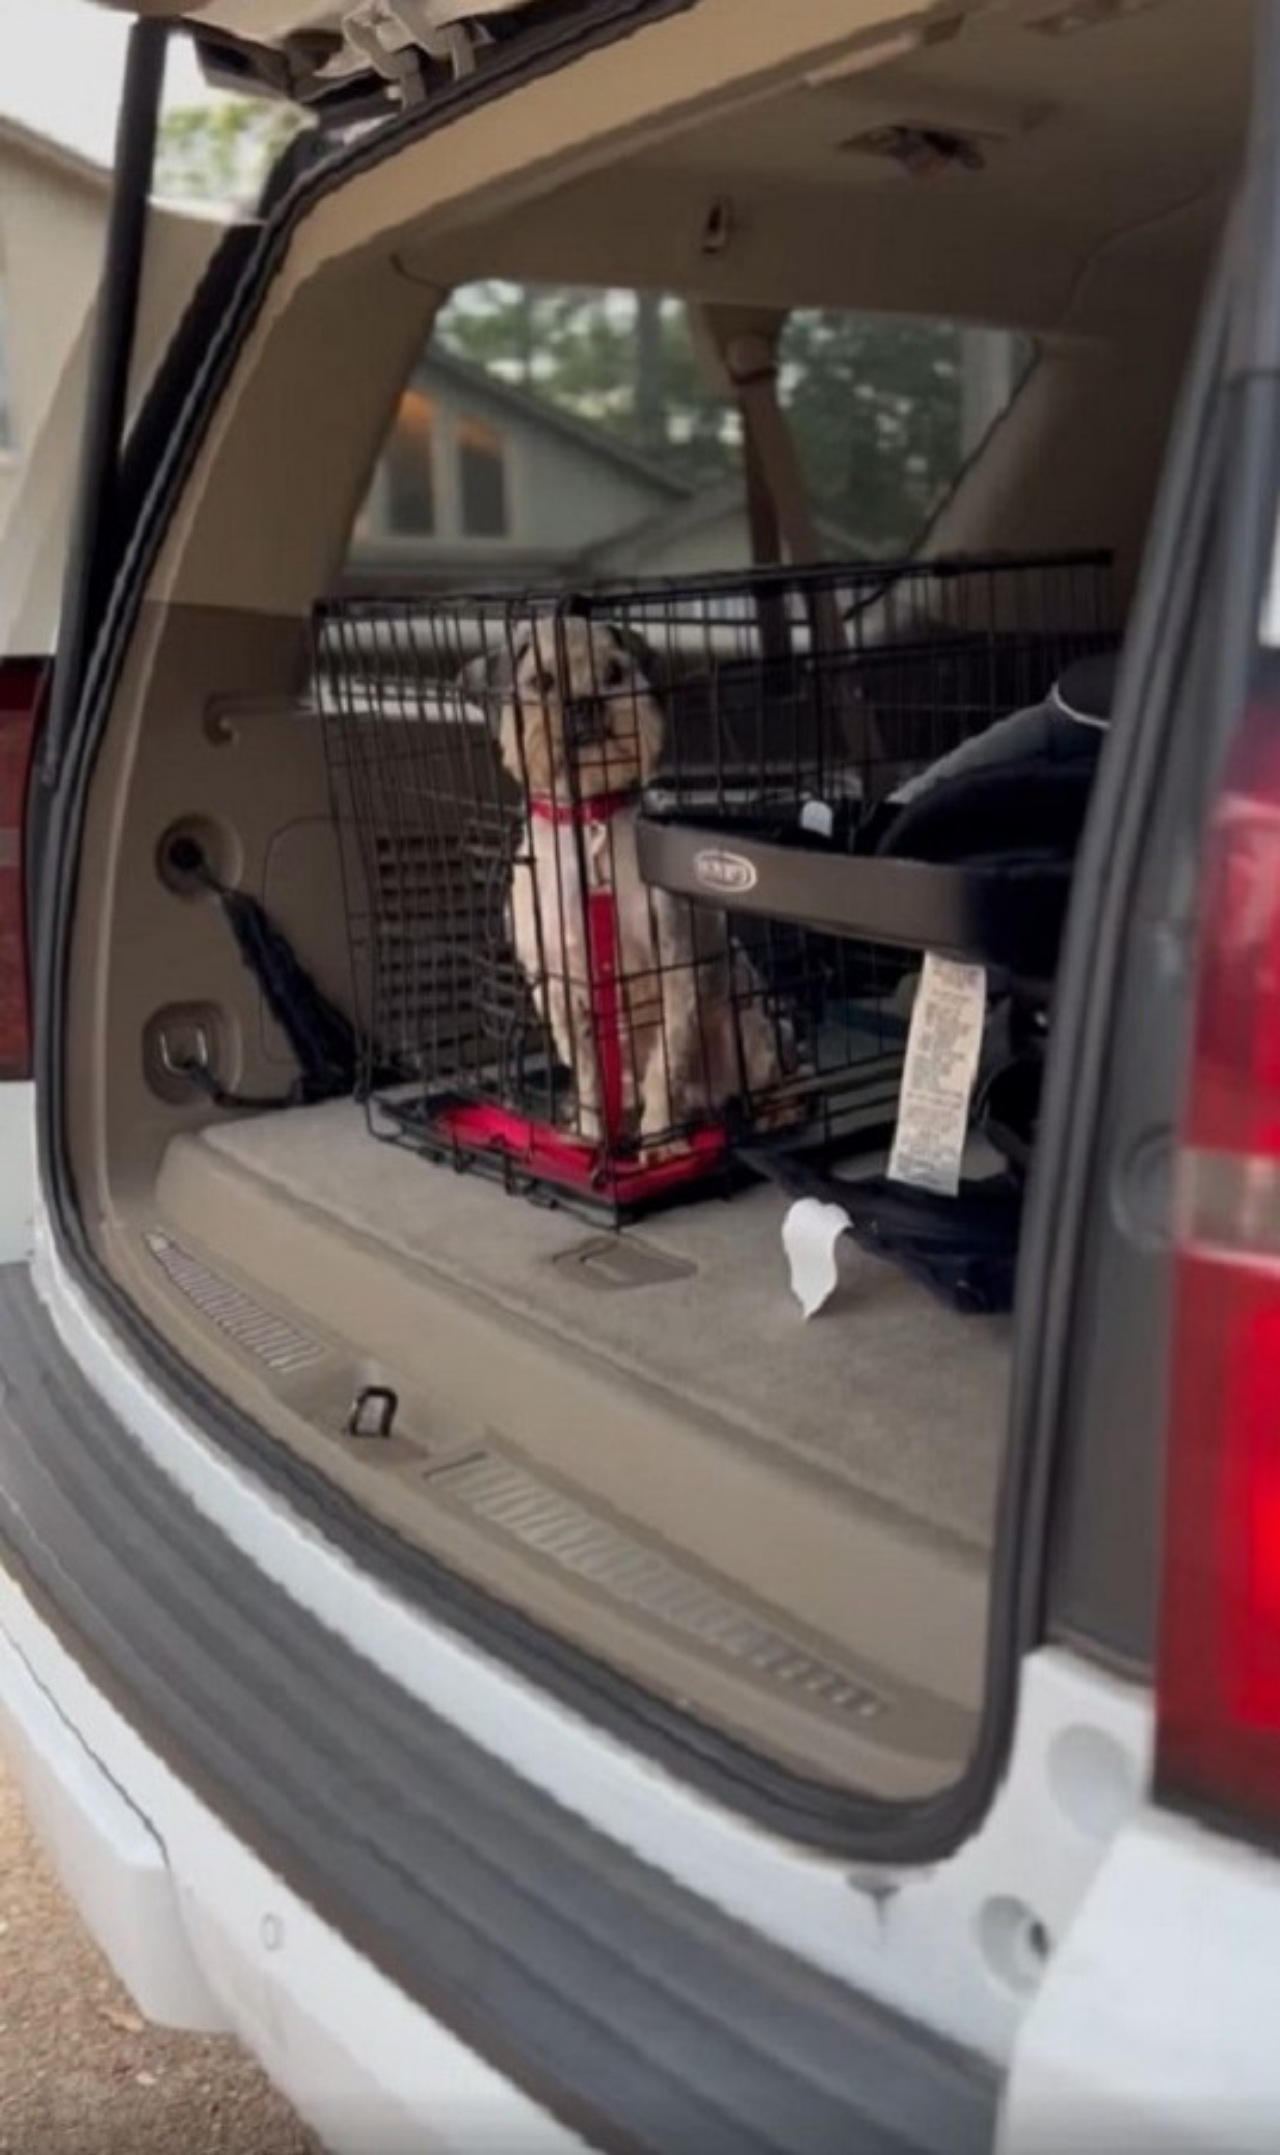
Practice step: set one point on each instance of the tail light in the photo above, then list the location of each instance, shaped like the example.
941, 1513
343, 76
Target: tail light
22, 689
1218, 1742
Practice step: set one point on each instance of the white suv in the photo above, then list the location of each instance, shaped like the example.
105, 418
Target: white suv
511, 1669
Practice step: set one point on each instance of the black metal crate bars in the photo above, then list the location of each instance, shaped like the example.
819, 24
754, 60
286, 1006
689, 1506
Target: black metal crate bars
528, 1004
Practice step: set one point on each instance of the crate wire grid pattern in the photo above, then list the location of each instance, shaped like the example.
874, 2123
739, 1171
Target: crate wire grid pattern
795, 700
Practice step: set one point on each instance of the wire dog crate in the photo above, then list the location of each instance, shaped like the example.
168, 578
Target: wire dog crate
528, 1005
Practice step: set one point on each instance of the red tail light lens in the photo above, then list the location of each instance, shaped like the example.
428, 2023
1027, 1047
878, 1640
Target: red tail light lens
23, 683
1219, 1665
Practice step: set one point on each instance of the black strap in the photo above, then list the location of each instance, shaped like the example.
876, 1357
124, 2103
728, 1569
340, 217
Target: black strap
320, 1035
199, 1075
963, 1249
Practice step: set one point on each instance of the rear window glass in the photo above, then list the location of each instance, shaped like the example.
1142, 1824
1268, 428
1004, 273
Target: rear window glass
570, 432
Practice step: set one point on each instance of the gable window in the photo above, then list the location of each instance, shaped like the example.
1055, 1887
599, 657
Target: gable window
482, 480
410, 468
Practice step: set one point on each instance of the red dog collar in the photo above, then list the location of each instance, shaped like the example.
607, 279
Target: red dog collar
602, 953
599, 808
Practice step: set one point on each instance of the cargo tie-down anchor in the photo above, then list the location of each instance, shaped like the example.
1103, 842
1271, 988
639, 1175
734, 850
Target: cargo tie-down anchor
373, 1412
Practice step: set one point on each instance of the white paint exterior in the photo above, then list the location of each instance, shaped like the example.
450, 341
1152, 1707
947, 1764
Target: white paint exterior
17, 1172
1156, 2027
206, 1938
52, 219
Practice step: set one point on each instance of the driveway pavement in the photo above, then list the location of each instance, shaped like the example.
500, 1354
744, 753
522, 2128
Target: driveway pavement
80, 2073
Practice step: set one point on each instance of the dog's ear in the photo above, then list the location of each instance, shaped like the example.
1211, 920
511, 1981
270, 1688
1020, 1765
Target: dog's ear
489, 677
495, 666
631, 642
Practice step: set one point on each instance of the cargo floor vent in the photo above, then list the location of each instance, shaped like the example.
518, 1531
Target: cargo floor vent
542, 1521
260, 1332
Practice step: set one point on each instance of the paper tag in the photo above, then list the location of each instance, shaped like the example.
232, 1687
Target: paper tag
819, 817
810, 1233
943, 1047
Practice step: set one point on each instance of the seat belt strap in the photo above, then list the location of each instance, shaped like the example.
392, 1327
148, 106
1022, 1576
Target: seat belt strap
752, 364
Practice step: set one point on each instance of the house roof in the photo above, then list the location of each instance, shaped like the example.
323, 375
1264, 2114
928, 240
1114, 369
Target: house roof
707, 506
538, 411
42, 149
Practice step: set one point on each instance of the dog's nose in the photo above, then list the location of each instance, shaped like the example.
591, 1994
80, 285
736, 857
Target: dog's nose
584, 719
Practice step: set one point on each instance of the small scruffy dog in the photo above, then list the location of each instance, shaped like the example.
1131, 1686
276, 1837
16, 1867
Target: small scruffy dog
660, 1018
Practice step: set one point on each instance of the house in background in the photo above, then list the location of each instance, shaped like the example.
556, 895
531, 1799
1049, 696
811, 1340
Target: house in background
53, 225
53, 210
481, 479
706, 531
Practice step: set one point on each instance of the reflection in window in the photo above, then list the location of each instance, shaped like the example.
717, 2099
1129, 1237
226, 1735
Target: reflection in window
410, 468
482, 480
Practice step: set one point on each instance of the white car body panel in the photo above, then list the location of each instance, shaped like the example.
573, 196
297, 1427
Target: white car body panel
104, 1851
17, 1172
1158, 2025
362, 2064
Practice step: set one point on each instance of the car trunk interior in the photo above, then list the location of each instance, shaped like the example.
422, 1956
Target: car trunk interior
785, 1527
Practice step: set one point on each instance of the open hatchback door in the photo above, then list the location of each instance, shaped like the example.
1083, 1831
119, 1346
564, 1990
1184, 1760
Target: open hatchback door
583, 1438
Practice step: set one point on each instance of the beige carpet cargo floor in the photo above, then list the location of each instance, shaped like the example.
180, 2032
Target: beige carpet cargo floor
884, 1388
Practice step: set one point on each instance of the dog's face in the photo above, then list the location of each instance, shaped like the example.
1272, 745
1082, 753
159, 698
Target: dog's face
580, 718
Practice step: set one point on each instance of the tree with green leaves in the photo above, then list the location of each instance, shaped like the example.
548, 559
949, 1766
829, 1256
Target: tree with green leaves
622, 361
222, 151
877, 406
